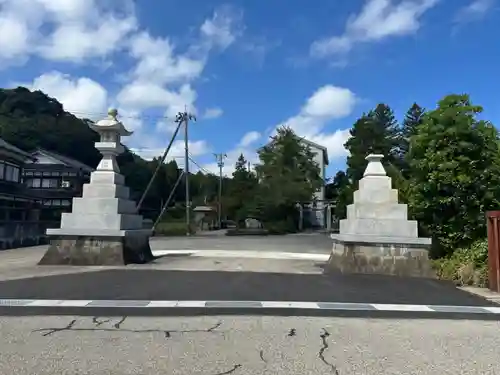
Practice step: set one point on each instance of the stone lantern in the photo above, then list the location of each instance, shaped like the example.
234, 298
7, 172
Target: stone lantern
110, 130
104, 227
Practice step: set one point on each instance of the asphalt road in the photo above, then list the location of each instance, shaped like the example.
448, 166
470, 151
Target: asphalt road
246, 346
135, 284
302, 243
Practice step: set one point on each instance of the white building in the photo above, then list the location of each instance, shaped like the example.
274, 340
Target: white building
317, 213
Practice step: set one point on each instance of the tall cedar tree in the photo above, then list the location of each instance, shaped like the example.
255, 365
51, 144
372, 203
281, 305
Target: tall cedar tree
455, 174
413, 118
375, 132
241, 189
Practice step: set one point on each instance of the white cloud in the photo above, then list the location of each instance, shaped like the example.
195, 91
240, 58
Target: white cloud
212, 113
157, 62
326, 104
223, 28
82, 96
378, 20
475, 10
61, 30
249, 138
163, 75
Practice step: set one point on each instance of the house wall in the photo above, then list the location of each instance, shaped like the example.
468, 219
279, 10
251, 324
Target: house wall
317, 214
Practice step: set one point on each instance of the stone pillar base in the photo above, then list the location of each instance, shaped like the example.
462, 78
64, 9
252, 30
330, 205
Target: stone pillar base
90, 250
397, 259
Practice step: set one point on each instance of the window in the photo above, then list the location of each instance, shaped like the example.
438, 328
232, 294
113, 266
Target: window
56, 174
15, 176
34, 183
9, 172
50, 183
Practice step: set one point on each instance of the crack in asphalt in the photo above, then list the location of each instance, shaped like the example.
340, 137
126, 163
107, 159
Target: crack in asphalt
235, 367
261, 355
117, 328
98, 322
321, 353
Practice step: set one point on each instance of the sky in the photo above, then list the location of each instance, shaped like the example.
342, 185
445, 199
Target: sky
245, 67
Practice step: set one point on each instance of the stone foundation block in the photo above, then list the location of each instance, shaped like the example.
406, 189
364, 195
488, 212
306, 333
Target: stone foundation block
385, 259
97, 250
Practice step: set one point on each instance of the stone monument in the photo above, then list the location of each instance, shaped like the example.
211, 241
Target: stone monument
104, 227
377, 237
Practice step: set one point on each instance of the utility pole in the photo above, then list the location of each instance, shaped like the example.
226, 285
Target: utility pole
184, 117
220, 163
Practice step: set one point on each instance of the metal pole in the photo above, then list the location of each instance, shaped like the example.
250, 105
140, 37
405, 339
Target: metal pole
158, 167
186, 169
165, 206
220, 164
220, 193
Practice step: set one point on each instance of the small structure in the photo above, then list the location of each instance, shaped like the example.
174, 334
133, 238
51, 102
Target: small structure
103, 227
377, 236
205, 217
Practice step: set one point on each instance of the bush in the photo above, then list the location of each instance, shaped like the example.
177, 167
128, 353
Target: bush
467, 266
172, 228
280, 227
246, 232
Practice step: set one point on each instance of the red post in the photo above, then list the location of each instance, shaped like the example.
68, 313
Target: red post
493, 225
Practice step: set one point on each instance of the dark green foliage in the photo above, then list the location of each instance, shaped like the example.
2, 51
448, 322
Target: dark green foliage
455, 174
241, 189
373, 133
287, 175
339, 191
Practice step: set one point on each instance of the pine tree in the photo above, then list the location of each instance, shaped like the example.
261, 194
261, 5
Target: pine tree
373, 133
413, 118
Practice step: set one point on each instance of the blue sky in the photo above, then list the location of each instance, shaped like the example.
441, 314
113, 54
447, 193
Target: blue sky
247, 66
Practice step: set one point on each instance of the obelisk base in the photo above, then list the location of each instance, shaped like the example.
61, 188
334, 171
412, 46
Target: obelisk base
365, 254
106, 249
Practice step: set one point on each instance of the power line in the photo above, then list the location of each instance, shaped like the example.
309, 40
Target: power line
220, 163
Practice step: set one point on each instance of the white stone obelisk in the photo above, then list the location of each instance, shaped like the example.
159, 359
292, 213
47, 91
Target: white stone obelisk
104, 226
376, 236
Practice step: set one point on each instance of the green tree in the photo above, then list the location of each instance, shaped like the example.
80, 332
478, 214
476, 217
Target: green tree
287, 175
340, 191
375, 132
413, 118
241, 189
455, 174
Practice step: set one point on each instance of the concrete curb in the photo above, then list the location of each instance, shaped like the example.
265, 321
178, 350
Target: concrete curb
247, 305
482, 292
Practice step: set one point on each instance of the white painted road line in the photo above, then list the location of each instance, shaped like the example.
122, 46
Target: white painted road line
245, 254
298, 305
291, 305
387, 307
